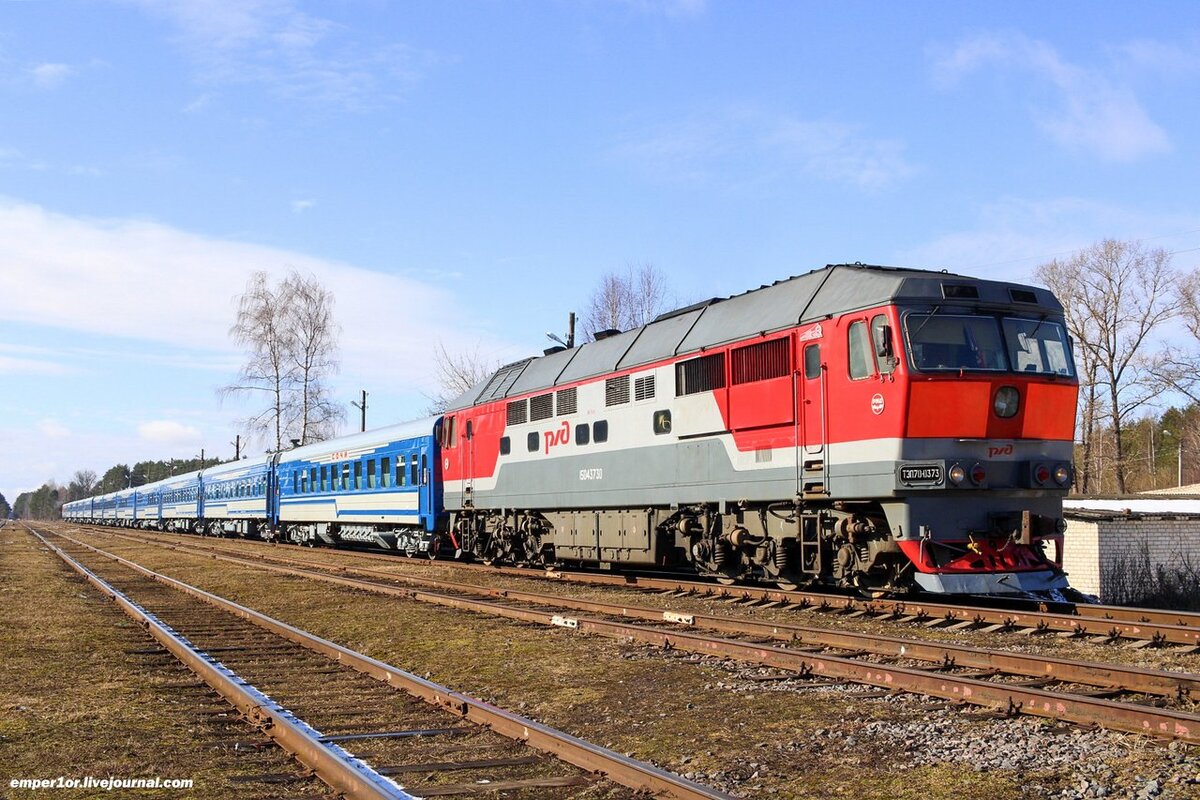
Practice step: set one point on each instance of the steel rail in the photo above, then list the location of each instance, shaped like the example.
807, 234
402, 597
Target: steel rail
1109, 622
1109, 676
1009, 698
340, 770
621, 769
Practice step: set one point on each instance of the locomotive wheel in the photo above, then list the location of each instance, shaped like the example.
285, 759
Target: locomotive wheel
786, 586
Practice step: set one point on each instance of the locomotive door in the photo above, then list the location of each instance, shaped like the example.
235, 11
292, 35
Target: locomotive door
813, 433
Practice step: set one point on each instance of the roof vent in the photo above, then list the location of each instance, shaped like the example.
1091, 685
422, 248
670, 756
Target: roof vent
604, 334
549, 351
958, 291
1022, 296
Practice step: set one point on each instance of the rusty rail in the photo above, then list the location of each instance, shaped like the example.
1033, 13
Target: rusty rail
624, 770
1010, 698
1109, 676
1107, 622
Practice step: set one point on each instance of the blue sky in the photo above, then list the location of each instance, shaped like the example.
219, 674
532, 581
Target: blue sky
466, 171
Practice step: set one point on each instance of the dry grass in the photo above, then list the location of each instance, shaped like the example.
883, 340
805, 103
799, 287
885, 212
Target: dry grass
75, 703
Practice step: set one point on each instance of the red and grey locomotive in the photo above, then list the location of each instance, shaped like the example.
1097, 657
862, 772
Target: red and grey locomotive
871, 427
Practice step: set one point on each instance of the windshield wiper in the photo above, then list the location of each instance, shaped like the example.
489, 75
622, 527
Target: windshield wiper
924, 322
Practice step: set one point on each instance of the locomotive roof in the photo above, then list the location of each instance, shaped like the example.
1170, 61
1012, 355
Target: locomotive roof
822, 293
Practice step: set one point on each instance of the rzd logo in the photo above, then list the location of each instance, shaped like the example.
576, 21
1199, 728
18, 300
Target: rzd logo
1006, 450
560, 436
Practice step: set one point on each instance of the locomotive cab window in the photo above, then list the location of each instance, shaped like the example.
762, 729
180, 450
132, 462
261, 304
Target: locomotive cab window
812, 361
860, 351
881, 341
955, 342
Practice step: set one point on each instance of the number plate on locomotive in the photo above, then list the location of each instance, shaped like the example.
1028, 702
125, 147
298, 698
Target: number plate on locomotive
921, 474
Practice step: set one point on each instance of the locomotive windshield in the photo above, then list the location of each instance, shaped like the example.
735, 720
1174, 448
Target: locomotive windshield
969, 342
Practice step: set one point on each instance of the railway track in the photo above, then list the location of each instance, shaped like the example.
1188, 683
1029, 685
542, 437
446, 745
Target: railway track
1124, 698
1135, 627
340, 714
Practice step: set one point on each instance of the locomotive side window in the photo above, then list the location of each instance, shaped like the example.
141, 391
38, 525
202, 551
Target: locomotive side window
583, 434
600, 431
812, 361
531, 442
662, 422
448, 439
860, 351
881, 338
505, 445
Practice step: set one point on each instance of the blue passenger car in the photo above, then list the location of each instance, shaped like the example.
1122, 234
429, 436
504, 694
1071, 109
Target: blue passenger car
380, 488
237, 496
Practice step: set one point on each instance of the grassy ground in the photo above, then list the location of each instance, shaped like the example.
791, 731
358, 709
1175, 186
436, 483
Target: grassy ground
74, 702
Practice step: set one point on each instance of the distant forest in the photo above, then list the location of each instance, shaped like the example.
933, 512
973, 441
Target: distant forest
47, 501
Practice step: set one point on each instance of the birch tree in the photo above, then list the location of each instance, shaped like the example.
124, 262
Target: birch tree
290, 340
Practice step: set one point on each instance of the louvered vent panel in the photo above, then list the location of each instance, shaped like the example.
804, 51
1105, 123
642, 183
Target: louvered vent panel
758, 362
616, 391
567, 401
517, 412
541, 407
643, 388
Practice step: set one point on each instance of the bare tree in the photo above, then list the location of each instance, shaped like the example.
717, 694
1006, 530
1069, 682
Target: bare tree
1179, 367
309, 321
83, 484
291, 342
1118, 294
626, 300
456, 373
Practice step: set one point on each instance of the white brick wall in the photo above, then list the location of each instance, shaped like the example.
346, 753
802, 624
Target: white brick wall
1091, 546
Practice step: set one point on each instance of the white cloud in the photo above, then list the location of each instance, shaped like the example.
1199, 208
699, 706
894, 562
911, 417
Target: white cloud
50, 76
171, 293
168, 433
295, 54
300, 206
1091, 111
670, 8
53, 429
1012, 236
10, 365
740, 141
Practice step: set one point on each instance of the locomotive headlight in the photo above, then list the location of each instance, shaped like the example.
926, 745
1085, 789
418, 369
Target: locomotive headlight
957, 474
1008, 400
1062, 474
1041, 473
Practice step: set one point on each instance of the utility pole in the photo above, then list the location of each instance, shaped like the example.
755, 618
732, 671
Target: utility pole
362, 407
237, 447
571, 331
